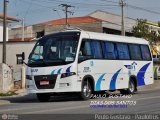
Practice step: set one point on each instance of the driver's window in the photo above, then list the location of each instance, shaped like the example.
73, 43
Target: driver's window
38, 53
85, 49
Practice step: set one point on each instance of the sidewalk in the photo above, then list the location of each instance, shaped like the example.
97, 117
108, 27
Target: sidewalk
3, 102
20, 93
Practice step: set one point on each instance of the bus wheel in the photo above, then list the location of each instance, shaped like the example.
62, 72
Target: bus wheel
43, 97
86, 91
131, 88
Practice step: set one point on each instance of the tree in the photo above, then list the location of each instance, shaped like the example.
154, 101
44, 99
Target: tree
159, 23
142, 30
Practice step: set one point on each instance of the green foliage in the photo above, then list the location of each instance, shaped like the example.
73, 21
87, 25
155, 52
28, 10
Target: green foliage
142, 30
159, 23
10, 93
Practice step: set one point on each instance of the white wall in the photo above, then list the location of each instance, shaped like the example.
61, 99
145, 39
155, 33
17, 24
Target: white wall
14, 48
6, 81
17, 32
1, 32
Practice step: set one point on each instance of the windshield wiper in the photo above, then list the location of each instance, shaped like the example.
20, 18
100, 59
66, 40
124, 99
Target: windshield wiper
39, 60
61, 60
57, 60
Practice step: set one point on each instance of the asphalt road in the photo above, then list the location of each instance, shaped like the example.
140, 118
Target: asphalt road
147, 102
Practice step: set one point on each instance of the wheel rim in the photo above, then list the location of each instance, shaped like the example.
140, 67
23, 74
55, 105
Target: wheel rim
86, 91
131, 87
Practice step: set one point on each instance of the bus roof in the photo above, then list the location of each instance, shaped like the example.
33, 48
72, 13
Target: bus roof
116, 38
110, 37
103, 36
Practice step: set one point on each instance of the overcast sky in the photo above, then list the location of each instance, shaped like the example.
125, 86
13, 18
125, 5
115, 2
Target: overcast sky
35, 11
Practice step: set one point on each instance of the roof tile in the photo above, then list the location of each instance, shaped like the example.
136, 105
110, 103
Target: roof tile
73, 20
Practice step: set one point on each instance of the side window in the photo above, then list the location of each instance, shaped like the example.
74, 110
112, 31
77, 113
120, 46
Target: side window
85, 49
145, 52
135, 52
96, 49
109, 50
123, 52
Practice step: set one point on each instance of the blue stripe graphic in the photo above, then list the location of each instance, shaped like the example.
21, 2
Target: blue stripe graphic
59, 71
52, 73
113, 80
68, 70
141, 73
98, 84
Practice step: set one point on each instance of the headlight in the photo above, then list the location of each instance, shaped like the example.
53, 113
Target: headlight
29, 77
63, 75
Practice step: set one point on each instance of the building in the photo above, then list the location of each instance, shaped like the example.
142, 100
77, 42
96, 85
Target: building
98, 21
111, 23
9, 20
44, 28
6, 81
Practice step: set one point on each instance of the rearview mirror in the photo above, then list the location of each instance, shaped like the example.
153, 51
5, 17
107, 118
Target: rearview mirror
23, 56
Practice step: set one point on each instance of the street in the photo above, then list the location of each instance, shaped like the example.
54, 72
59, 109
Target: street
146, 102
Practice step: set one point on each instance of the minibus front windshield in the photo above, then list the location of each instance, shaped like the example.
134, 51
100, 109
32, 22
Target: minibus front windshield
53, 51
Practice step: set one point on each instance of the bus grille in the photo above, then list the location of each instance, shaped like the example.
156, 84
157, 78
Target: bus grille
50, 78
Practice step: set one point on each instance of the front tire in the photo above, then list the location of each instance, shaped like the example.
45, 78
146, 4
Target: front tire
131, 88
43, 97
86, 91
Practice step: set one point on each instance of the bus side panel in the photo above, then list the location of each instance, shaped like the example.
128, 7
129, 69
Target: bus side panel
107, 74
115, 74
145, 73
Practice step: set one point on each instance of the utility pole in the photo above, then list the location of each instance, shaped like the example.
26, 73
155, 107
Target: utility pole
122, 4
4, 29
23, 29
66, 6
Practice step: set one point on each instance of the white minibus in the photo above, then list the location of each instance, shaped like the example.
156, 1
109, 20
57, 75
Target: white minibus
82, 62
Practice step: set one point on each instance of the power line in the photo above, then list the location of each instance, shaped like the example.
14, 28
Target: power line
109, 1
92, 4
66, 6
48, 7
57, 13
30, 5
143, 9
135, 7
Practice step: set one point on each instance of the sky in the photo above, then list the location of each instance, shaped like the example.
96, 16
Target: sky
36, 11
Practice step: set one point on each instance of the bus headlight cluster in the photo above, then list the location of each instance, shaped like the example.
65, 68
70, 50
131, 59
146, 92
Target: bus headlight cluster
63, 75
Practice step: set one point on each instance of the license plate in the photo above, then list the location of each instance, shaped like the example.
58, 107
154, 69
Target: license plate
44, 82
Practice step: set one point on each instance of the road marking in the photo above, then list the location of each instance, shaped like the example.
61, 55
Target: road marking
59, 109
76, 107
4, 102
55, 109
147, 98
149, 111
7, 110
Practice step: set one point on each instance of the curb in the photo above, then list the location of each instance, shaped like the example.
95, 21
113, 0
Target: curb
20, 93
3, 102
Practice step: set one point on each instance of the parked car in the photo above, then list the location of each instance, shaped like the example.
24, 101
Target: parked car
156, 58
156, 72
